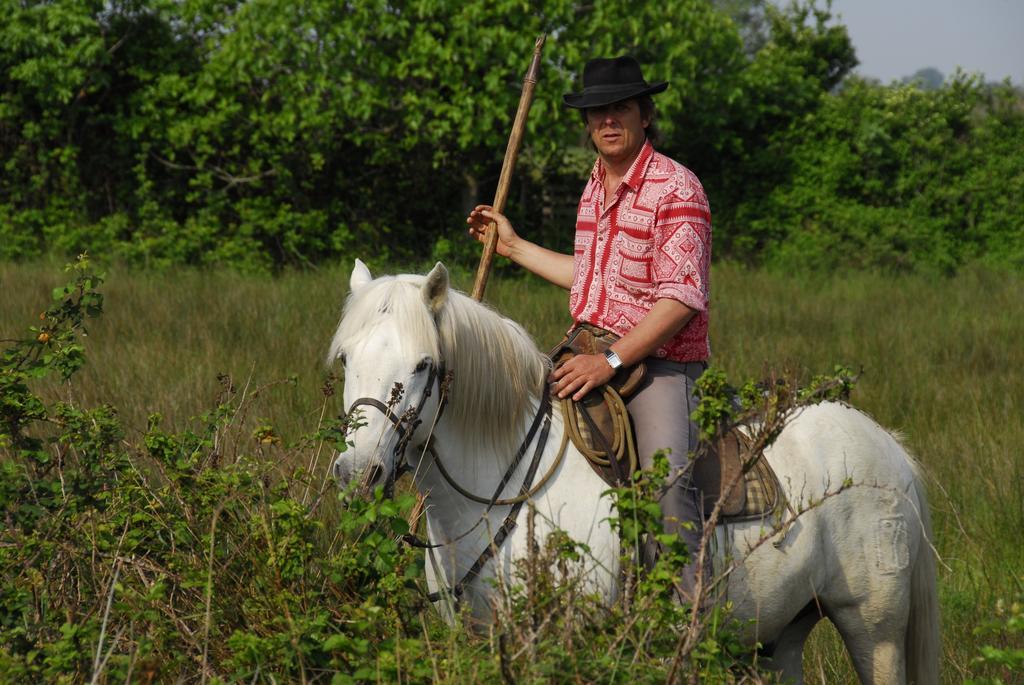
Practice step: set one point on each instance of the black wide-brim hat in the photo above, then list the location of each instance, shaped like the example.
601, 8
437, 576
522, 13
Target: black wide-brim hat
608, 80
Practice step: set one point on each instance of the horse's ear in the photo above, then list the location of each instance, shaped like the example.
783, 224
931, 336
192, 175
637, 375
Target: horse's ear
435, 288
360, 276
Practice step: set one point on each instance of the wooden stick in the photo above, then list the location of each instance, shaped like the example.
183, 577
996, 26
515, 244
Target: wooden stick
491, 237
511, 154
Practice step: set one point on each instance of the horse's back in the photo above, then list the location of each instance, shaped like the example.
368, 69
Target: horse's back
827, 446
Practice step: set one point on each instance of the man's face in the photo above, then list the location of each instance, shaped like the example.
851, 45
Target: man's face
617, 130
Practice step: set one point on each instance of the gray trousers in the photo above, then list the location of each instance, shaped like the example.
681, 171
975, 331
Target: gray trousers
661, 419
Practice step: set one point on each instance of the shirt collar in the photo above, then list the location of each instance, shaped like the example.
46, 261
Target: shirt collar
635, 176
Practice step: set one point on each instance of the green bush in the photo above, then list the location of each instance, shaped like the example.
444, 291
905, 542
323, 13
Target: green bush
264, 134
193, 554
261, 134
186, 553
900, 178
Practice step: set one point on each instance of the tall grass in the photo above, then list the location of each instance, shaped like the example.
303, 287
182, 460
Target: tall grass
941, 361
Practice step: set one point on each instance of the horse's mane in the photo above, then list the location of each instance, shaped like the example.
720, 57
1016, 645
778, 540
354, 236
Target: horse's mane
498, 372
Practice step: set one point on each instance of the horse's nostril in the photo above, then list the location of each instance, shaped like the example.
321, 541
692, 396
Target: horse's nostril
374, 474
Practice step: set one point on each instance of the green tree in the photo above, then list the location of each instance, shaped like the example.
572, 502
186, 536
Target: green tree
928, 78
901, 178
260, 134
264, 133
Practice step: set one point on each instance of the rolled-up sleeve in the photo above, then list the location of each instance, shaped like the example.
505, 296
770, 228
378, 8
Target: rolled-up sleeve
682, 258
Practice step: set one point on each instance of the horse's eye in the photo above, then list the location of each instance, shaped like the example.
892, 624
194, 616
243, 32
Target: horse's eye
422, 365
343, 359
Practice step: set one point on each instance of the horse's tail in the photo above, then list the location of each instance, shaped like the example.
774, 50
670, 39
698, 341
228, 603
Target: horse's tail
922, 640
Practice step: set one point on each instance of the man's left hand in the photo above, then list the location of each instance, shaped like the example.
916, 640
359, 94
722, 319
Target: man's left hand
580, 375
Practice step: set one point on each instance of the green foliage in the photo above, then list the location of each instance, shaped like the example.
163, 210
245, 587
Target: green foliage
900, 178
52, 346
167, 557
261, 134
766, 403
186, 554
1006, 655
264, 134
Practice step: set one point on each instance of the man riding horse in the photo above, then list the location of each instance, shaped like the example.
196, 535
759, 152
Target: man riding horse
640, 269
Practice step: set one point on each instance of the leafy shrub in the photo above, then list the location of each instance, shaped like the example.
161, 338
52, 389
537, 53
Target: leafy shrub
263, 134
1005, 655
182, 554
193, 554
899, 178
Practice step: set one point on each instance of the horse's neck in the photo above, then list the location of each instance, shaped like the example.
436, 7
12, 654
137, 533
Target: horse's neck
474, 465
570, 500
480, 473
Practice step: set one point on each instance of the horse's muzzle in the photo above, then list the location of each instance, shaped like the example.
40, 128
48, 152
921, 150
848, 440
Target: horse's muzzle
345, 472
341, 470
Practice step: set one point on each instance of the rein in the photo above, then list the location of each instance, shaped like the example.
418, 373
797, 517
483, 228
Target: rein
510, 522
406, 425
543, 411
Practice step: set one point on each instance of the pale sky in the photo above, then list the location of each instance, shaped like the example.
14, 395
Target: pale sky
895, 38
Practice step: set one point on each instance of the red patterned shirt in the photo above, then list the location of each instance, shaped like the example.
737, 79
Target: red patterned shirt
650, 240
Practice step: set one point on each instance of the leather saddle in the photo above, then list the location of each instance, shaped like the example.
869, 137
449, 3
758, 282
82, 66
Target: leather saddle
748, 488
601, 429
588, 339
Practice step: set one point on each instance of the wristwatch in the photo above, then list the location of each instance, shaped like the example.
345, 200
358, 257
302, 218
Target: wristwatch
613, 360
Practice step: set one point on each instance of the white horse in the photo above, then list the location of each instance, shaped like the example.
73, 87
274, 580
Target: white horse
859, 556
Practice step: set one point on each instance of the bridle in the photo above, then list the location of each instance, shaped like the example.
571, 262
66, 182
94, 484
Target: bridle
406, 426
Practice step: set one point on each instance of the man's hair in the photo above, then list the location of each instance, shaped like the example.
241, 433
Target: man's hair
647, 111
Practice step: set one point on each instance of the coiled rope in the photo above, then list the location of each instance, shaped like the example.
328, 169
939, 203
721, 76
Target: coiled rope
583, 432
